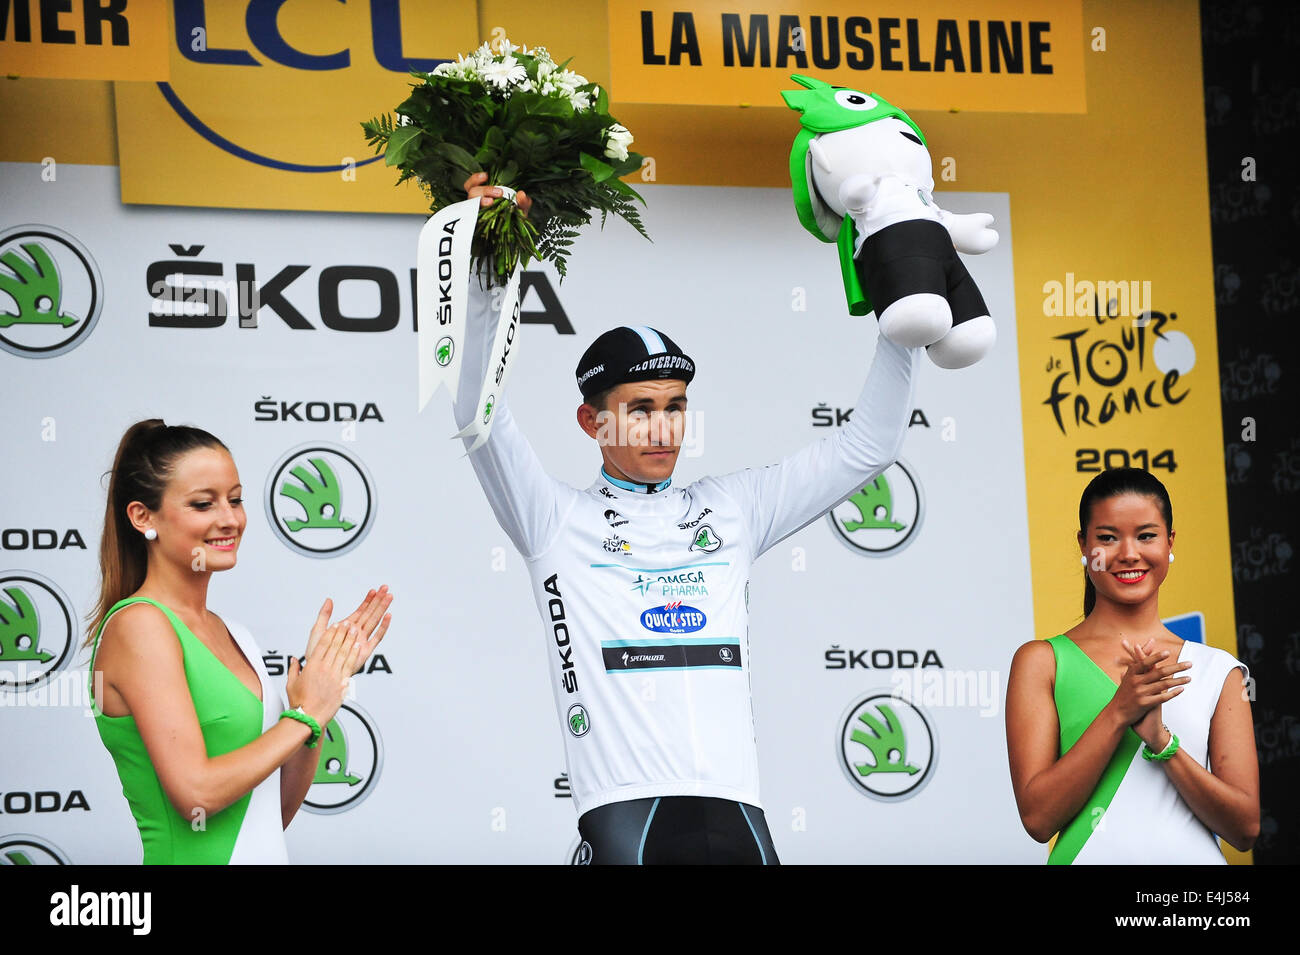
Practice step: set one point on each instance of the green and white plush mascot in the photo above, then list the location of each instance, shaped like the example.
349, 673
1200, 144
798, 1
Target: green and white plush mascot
862, 177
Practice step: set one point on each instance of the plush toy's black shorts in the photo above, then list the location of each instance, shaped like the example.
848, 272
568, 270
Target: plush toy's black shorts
917, 256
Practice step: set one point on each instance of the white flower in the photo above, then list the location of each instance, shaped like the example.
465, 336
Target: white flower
505, 47
508, 71
580, 100
617, 139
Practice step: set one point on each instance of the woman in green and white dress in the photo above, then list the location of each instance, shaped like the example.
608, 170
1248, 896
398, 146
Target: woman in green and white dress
1126, 742
212, 763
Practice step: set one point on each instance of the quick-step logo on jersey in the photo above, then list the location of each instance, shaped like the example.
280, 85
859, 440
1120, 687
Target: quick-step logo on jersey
887, 746
51, 293
37, 630
321, 500
352, 755
883, 517
671, 653
673, 618
22, 849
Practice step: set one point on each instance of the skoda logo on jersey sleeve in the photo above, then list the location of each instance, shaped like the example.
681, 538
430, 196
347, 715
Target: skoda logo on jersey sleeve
673, 617
883, 517
887, 746
51, 292
38, 631
321, 500
578, 721
351, 757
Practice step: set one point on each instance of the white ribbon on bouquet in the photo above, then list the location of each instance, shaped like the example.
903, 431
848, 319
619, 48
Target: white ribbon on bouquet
442, 293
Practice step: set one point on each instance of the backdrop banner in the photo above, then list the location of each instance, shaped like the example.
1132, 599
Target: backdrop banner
290, 337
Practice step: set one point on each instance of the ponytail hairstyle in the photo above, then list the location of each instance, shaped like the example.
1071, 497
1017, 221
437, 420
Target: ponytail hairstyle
145, 459
1113, 483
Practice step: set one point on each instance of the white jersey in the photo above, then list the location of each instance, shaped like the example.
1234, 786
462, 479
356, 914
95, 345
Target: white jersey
644, 596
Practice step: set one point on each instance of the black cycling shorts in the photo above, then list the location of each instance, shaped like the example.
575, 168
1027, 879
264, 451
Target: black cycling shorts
676, 830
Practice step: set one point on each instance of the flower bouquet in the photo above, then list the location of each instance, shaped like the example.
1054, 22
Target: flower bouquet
531, 124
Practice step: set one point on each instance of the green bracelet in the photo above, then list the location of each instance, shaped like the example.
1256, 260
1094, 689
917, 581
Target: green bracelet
301, 716
1167, 753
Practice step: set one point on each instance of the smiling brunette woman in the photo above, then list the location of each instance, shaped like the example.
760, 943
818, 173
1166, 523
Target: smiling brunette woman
1133, 745
211, 763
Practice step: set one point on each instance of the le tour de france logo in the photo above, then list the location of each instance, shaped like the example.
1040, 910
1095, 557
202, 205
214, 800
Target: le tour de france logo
882, 518
887, 746
38, 630
22, 849
321, 500
351, 758
51, 293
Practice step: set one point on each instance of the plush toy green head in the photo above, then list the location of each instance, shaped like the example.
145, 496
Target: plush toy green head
828, 109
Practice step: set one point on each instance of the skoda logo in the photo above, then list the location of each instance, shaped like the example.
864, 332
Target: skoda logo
351, 758
321, 500
38, 631
883, 517
577, 720
19, 849
886, 746
51, 293
444, 350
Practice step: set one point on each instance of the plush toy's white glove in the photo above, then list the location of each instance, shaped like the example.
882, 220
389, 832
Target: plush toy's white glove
970, 233
856, 192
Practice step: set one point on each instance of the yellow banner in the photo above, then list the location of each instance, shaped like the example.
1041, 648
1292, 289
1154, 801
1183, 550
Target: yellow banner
84, 39
998, 55
265, 100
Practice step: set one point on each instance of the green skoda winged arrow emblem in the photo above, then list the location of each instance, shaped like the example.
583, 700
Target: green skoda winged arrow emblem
333, 765
351, 754
443, 351
874, 499
887, 746
319, 496
887, 743
33, 283
881, 518
706, 539
20, 629
51, 292
304, 495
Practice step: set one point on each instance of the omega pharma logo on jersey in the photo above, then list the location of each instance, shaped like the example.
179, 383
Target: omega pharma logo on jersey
51, 293
320, 499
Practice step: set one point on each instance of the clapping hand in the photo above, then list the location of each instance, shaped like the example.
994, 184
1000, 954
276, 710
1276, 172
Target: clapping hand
1149, 682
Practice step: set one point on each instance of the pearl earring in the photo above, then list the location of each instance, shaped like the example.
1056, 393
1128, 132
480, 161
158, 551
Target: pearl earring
1171, 558
1083, 560
151, 535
